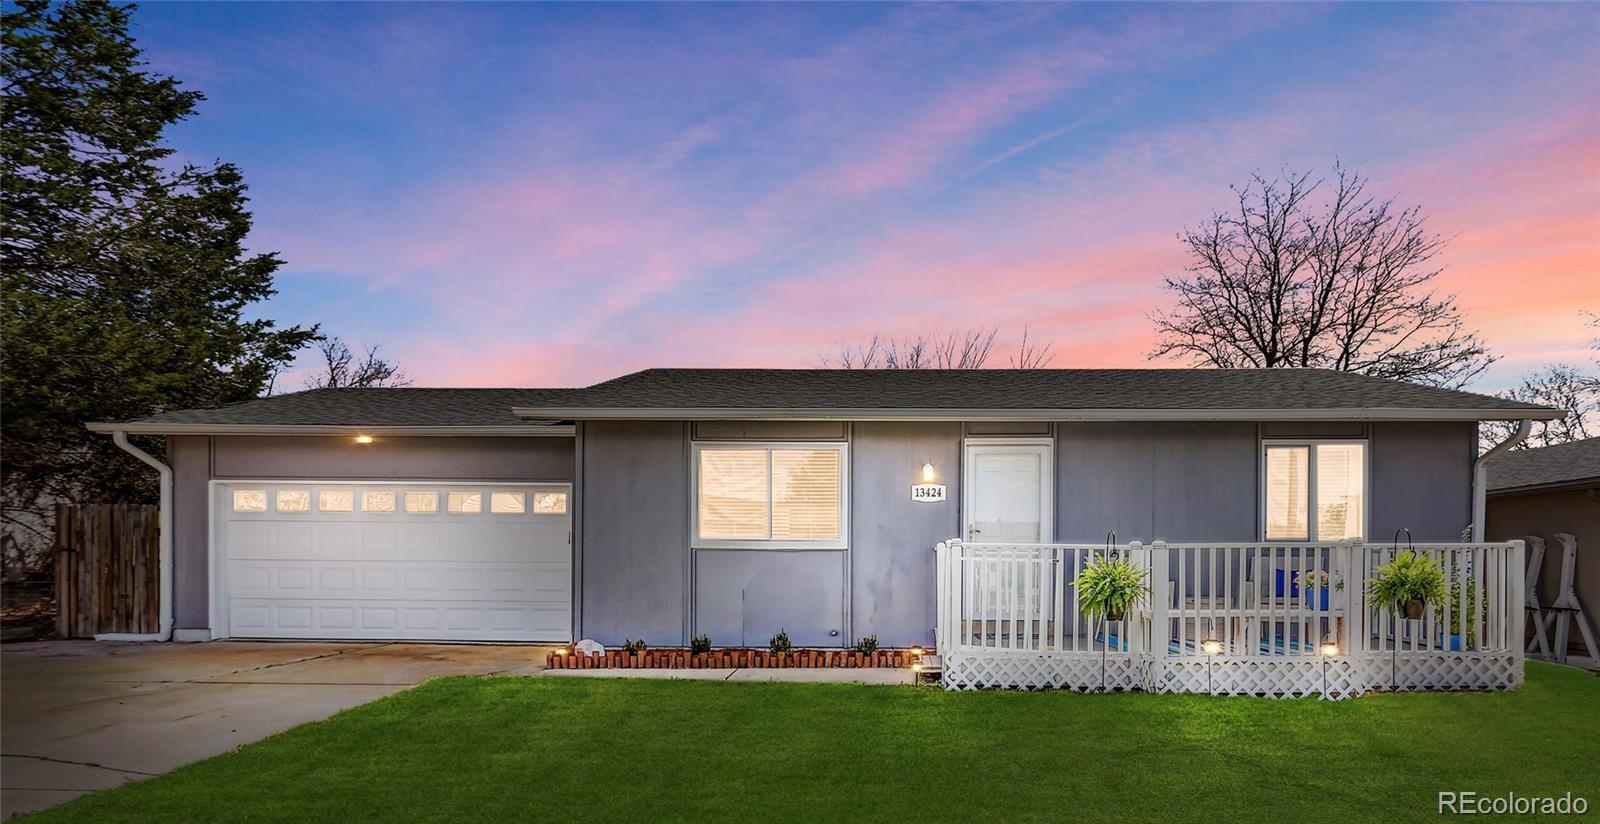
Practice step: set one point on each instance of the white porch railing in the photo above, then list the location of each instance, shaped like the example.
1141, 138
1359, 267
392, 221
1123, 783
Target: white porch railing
1283, 620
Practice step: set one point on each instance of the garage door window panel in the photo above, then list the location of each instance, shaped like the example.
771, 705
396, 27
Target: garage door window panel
465, 503
294, 500
335, 500
422, 503
507, 503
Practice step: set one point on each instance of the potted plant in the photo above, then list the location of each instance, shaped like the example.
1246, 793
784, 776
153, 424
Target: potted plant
1110, 588
1407, 583
1317, 583
1463, 610
865, 648
779, 646
635, 651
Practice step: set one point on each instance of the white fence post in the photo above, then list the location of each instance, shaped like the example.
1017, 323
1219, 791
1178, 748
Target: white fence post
941, 590
1160, 601
1516, 593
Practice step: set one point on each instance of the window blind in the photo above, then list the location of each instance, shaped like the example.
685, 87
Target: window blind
1341, 498
1288, 492
733, 494
805, 494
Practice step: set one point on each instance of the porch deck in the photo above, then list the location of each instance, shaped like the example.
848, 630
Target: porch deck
1008, 617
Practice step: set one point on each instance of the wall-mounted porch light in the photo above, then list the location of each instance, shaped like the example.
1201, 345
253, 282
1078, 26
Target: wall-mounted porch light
927, 472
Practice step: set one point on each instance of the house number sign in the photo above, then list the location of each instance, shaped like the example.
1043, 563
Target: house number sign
927, 493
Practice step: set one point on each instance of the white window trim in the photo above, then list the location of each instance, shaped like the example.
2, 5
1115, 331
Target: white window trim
696, 542
1311, 487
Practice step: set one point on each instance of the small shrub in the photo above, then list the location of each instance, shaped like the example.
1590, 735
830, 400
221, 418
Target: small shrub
867, 645
700, 643
780, 642
633, 647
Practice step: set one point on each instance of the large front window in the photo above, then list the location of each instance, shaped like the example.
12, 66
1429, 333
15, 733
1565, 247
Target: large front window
789, 495
1315, 486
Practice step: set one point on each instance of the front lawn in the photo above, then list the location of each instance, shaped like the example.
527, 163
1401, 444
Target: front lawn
580, 749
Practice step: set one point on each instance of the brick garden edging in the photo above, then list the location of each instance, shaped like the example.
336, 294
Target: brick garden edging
728, 658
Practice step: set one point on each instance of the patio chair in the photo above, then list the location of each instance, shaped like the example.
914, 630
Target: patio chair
1280, 591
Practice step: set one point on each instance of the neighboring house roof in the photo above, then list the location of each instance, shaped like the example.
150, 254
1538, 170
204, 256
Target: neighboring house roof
1112, 394
1106, 394
1566, 464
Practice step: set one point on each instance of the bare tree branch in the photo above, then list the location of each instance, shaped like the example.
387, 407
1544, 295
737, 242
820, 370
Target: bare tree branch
341, 369
1344, 282
954, 349
1033, 353
1563, 387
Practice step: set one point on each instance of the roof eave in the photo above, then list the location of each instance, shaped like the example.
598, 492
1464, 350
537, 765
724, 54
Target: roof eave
1566, 485
831, 414
154, 428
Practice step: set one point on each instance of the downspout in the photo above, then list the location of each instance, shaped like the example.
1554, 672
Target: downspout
120, 438
1480, 475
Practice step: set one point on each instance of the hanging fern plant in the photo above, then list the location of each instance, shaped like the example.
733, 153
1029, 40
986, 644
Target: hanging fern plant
1110, 588
1407, 583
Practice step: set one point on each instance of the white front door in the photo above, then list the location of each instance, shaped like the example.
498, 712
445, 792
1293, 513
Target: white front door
393, 560
1007, 494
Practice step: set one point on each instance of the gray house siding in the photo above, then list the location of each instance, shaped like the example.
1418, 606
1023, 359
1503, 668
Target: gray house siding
444, 459
197, 460
634, 489
744, 596
1421, 479
190, 458
892, 536
1156, 480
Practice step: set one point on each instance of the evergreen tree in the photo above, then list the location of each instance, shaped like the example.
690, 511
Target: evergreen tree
125, 278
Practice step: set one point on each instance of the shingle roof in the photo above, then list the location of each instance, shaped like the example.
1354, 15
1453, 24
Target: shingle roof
1558, 465
1065, 389
406, 406
687, 392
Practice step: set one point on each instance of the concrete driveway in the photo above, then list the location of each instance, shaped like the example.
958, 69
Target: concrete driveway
77, 716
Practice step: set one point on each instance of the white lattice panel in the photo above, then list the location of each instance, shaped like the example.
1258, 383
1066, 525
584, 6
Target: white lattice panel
1077, 671
1334, 678
1413, 671
1337, 677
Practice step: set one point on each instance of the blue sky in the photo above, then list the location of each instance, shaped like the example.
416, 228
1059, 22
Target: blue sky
521, 194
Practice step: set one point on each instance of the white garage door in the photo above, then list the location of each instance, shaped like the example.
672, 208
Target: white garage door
422, 561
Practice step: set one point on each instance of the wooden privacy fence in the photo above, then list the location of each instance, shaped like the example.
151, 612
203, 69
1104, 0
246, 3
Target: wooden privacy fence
108, 571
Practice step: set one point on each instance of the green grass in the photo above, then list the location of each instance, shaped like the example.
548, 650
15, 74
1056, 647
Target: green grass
578, 749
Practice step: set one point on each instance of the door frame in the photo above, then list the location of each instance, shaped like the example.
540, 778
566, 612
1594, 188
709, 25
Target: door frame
1043, 447
217, 535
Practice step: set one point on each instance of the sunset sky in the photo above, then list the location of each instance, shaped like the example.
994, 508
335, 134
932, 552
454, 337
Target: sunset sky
524, 195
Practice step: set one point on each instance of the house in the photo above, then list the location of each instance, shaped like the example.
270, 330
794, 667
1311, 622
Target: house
1552, 494
734, 502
